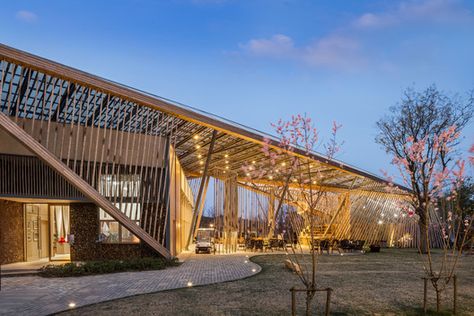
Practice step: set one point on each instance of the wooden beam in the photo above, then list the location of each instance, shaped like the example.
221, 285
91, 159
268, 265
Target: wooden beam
326, 188
201, 206
48, 158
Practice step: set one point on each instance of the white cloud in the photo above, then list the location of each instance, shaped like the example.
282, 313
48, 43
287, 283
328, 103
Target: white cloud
416, 10
26, 16
344, 49
278, 45
331, 51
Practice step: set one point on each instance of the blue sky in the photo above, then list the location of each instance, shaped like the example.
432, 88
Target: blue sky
257, 61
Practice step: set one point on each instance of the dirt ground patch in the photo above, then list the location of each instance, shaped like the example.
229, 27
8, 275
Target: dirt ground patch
386, 283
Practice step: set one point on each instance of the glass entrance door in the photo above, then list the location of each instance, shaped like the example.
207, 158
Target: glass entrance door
59, 221
36, 232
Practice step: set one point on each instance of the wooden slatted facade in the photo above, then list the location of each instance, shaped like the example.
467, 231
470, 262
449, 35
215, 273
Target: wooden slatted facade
103, 132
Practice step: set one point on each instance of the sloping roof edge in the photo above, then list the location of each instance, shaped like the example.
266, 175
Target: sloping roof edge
168, 106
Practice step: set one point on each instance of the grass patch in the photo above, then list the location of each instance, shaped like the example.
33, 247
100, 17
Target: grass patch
385, 283
74, 269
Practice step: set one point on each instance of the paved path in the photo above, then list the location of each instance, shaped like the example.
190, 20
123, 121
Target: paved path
34, 295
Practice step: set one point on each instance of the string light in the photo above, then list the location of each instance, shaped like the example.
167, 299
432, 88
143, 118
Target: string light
190, 284
270, 177
197, 146
201, 162
283, 164
72, 305
196, 137
226, 155
199, 156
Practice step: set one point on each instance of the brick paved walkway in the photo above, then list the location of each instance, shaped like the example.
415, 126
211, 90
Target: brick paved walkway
33, 295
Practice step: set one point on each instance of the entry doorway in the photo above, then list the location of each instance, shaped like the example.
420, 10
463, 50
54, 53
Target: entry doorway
36, 231
47, 232
60, 234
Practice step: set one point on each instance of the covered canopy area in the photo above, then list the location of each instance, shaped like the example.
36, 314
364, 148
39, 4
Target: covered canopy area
90, 130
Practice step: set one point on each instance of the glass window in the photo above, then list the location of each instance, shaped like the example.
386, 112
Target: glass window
124, 185
112, 231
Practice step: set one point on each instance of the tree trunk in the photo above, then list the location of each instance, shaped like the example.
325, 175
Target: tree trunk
438, 303
423, 224
309, 299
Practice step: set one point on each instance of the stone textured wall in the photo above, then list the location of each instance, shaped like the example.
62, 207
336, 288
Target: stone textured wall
11, 232
85, 227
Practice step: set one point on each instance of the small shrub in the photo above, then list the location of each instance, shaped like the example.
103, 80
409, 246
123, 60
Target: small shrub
107, 266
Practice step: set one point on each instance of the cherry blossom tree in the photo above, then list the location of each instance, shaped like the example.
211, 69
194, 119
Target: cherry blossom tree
422, 134
299, 182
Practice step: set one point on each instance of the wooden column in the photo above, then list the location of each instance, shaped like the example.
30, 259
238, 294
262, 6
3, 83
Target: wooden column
271, 214
199, 197
231, 209
200, 207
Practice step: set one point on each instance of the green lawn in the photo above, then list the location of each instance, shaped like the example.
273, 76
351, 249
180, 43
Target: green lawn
386, 283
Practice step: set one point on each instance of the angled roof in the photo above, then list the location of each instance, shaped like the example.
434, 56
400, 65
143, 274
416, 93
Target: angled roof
235, 145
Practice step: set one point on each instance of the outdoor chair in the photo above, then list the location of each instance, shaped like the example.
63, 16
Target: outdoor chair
249, 244
274, 243
359, 245
258, 244
374, 248
346, 245
324, 245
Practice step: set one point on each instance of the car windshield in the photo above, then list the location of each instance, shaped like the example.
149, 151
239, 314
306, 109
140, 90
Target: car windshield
204, 236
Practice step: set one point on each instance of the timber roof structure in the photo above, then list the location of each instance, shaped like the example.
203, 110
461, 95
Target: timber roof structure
39, 88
